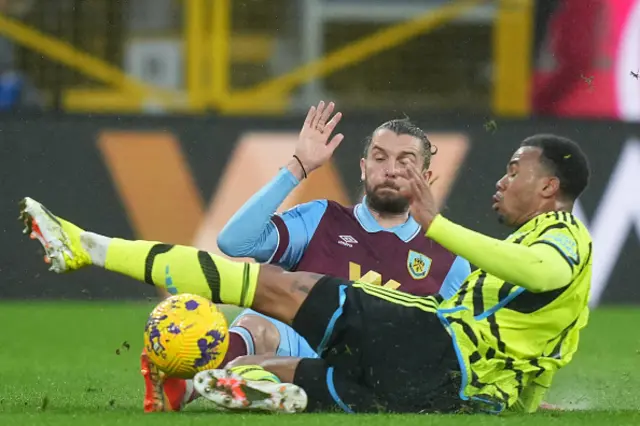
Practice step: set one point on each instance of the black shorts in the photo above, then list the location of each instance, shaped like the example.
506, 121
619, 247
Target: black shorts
376, 355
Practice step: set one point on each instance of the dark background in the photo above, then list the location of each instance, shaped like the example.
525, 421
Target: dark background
55, 160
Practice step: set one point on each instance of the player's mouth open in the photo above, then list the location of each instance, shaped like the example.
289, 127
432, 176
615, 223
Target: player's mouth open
496, 200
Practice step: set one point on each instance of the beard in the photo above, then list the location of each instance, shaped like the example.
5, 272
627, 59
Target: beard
390, 204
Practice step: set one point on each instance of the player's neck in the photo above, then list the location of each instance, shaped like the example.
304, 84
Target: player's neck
554, 206
389, 220
557, 206
564, 206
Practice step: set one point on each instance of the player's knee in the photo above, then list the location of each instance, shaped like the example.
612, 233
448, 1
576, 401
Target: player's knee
283, 293
265, 335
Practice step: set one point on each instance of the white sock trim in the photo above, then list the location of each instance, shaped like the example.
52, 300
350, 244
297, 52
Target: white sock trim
96, 245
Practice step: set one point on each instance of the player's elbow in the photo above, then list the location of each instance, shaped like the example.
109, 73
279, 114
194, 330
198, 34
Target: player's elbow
544, 270
229, 244
539, 285
548, 278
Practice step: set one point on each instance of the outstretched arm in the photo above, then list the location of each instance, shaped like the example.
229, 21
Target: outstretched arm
538, 268
546, 265
254, 231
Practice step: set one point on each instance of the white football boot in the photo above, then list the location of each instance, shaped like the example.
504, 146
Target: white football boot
59, 238
234, 391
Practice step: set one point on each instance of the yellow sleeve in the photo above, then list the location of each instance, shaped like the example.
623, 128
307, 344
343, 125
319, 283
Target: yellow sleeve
530, 398
537, 268
563, 242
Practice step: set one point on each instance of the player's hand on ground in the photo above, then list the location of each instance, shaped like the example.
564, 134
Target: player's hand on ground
314, 147
422, 204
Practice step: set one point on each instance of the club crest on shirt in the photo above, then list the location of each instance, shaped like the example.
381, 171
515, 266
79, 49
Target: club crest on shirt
418, 265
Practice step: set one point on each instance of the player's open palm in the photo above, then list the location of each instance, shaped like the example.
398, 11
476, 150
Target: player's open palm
417, 189
314, 147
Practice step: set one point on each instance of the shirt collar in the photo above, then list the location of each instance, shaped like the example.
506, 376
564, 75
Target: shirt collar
406, 231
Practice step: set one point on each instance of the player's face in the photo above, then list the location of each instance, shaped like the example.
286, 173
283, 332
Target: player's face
388, 155
522, 189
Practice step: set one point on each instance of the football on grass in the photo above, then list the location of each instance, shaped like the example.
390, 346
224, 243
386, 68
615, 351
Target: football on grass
186, 334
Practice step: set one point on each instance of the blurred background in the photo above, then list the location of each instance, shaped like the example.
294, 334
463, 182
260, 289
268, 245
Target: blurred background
504, 57
157, 119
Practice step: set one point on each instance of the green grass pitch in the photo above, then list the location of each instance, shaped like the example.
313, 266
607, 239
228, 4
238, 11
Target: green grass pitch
59, 366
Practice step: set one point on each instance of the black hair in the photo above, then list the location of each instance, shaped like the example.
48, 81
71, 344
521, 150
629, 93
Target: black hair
404, 126
565, 160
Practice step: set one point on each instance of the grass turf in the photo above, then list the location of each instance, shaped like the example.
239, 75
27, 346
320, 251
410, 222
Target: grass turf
65, 364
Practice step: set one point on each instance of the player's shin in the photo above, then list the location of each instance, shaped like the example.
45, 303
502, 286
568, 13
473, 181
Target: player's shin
182, 269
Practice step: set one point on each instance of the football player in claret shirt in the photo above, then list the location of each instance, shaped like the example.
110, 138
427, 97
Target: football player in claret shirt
376, 241
495, 345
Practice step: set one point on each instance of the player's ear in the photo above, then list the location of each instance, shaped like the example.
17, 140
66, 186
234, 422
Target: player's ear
551, 187
362, 169
426, 174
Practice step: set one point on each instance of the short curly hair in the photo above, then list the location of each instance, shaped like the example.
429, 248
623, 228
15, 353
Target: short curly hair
565, 160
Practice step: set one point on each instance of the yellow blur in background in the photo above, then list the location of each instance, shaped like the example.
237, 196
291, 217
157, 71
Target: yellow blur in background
272, 56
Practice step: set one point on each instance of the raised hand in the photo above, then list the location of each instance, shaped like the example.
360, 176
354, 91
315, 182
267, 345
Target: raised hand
314, 147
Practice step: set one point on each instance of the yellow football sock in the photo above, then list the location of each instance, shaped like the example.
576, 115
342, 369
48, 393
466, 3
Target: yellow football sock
182, 269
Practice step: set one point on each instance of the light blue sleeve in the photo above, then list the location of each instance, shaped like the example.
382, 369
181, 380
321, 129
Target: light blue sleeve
250, 232
459, 271
295, 228
255, 231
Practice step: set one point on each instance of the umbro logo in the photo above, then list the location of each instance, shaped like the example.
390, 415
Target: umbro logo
347, 240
